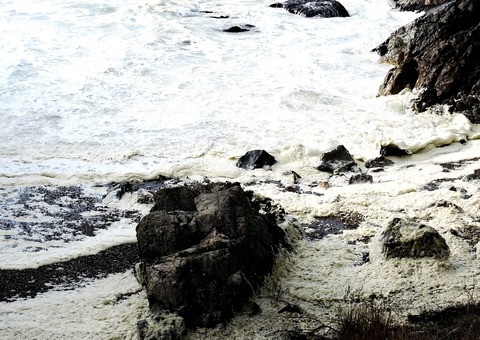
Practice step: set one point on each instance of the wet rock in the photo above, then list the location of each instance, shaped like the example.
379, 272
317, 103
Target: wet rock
168, 327
296, 177
255, 159
379, 162
203, 262
417, 5
315, 8
437, 55
392, 150
360, 178
337, 160
239, 28
474, 176
407, 239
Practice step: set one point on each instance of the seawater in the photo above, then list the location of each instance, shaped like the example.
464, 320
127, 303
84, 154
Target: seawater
95, 93
120, 89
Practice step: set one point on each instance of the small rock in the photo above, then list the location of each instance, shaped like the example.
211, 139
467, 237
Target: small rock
379, 162
255, 159
239, 28
407, 239
392, 150
360, 178
316, 8
337, 160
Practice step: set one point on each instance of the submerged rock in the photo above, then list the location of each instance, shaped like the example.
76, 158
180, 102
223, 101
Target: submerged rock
403, 238
256, 159
437, 55
203, 261
315, 8
337, 160
239, 28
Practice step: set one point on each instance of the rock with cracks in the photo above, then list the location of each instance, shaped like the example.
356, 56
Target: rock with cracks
407, 239
204, 250
437, 55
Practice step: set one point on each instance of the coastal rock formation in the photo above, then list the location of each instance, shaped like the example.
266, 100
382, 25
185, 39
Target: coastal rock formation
337, 160
256, 159
437, 55
315, 8
417, 5
403, 238
204, 250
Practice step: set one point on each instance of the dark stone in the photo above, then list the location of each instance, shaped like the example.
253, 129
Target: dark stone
239, 29
417, 5
404, 238
276, 5
255, 159
315, 8
474, 176
437, 55
169, 327
392, 150
296, 177
337, 160
360, 178
203, 264
379, 162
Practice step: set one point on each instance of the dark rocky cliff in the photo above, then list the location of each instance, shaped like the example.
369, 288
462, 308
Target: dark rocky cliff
437, 55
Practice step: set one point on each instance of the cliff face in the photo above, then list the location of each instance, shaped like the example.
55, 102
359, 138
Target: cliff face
437, 55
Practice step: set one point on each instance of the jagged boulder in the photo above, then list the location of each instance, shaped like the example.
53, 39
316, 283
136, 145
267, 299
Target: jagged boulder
437, 55
255, 159
314, 8
337, 160
417, 5
203, 256
407, 239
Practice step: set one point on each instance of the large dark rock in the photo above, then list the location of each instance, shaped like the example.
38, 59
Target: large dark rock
314, 8
407, 239
417, 5
255, 159
437, 55
203, 261
337, 160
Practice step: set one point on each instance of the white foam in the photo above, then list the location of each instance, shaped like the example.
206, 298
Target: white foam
107, 308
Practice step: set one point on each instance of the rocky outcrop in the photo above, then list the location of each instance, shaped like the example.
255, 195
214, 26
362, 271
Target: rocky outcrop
256, 159
204, 250
407, 239
314, 8
337, 160
417, 5
437, 55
